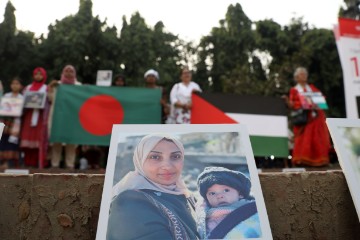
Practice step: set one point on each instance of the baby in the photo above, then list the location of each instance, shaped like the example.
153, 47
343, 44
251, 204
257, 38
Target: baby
227, 210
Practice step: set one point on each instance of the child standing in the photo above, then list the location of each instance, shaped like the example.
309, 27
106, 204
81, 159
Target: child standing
227, 210
9, 144
34, 137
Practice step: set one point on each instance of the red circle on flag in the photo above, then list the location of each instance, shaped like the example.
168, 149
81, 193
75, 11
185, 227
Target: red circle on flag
98, 114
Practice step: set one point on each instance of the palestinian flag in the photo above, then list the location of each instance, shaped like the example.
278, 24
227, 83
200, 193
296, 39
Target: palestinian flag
265, 118
85, 114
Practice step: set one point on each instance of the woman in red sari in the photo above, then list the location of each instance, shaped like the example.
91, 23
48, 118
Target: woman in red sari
312, 140
34, 135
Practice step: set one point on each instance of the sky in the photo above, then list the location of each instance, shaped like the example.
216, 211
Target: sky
189, 19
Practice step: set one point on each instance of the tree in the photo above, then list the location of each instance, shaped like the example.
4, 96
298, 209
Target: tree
83, 41
143, 47
351, 10
17, 50
227, 49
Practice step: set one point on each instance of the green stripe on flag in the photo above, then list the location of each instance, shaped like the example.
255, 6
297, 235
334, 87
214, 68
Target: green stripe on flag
266, 146
85, 114
323, 106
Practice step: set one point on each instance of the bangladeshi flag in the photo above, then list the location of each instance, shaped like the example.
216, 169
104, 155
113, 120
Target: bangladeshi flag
85, 114
264, 117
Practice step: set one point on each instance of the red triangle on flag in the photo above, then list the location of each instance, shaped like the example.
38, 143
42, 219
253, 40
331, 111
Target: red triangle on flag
203, 112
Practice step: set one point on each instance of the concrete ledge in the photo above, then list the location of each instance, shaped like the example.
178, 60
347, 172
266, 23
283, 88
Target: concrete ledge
308, 205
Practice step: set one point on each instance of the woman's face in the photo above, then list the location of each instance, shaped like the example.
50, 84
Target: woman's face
301, 77
69, 72
164, 163
151, 79
185, 76
119, 82
38, 76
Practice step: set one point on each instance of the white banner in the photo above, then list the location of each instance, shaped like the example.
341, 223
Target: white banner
347, 35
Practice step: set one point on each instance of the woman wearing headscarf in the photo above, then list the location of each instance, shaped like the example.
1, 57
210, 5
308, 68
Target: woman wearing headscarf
34, 135
151, 78
153, 202
68, 76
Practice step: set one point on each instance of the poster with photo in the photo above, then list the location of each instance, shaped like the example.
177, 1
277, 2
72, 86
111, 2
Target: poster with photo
309, 99
345, 134
163, 181
34, 99
104, 78
11, 106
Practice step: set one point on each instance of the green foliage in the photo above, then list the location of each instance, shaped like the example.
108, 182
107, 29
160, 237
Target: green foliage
143, 47
227, 47
83, 41
238, 56
17, 53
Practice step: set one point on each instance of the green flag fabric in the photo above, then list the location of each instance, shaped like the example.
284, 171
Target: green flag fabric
85, 114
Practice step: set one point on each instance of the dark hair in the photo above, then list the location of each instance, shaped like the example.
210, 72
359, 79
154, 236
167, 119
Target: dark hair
16, 79
119, 76
186, 67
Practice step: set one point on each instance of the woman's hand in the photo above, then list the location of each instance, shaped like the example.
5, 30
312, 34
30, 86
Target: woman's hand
287, 101
187, 106
53, 83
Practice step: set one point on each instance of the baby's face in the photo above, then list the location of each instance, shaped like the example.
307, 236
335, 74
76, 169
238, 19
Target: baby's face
222, 195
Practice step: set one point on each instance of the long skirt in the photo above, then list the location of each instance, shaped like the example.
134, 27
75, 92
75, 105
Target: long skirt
312, 142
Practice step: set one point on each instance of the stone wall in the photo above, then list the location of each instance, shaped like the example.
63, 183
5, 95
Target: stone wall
308, 205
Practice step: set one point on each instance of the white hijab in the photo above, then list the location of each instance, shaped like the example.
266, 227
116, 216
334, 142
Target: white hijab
137, 179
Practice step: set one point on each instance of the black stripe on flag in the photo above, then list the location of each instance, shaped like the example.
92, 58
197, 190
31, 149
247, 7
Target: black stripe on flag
233, 103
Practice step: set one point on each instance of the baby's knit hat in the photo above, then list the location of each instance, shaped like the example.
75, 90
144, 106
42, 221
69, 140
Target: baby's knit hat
223, 176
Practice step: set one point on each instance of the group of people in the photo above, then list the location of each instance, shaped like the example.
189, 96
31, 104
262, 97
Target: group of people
153, 201
176, 108
31, 130
29, 133
26, 137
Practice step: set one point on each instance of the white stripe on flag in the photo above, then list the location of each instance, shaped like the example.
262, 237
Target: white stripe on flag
263, 125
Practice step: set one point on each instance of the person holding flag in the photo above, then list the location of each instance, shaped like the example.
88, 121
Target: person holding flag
151, 77
68, 76
180, 98
311, 140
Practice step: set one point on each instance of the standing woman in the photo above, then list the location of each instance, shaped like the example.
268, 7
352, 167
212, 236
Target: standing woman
312, 140
34, 134
68, 76
180, 98
153, 202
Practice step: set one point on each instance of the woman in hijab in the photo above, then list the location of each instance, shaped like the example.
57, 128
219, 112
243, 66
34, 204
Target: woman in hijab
153, 202
151, 78
68, 76
34, 135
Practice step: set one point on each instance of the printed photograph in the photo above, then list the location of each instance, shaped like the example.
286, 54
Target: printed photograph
34, 99
11, 106
345, 134
104, 77
182, 182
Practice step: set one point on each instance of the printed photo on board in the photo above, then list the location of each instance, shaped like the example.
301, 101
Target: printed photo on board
34, 99
182, 182
345, 134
